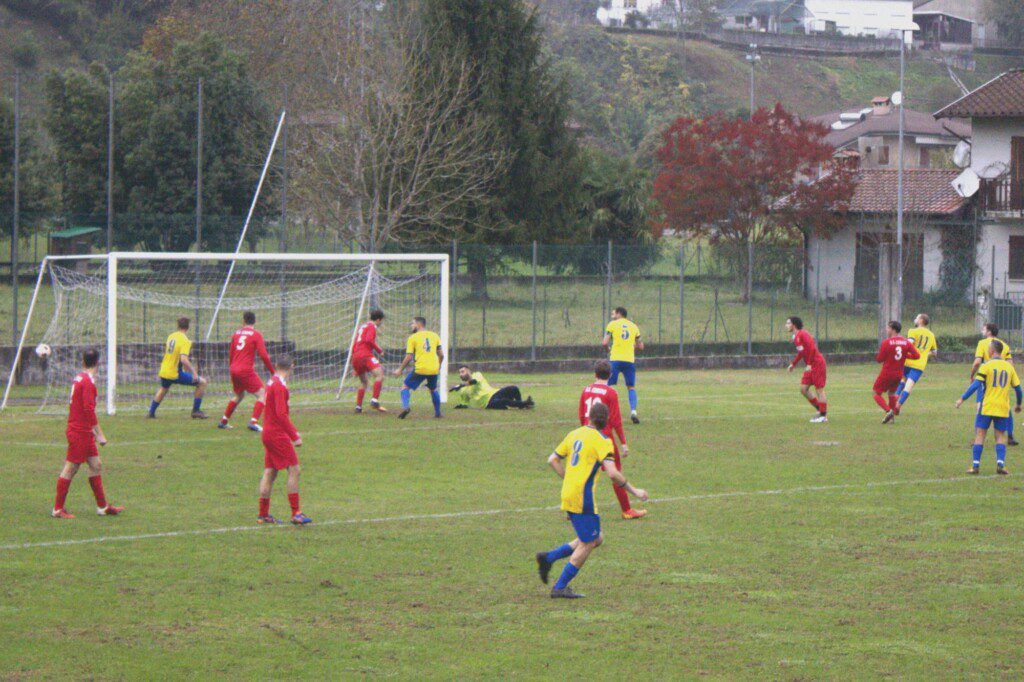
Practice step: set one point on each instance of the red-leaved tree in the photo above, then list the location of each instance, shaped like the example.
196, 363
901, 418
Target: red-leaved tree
756, 180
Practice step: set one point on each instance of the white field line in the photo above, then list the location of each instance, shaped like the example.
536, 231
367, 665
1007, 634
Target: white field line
487, 512
468, 425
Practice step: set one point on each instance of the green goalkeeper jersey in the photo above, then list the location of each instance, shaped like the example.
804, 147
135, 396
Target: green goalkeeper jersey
478, 394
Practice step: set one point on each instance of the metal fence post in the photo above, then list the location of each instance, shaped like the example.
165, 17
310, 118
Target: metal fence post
533, 337
817, 283
682, 290
750, 296
454, 302
282, 242
199, 192
609, 310
17, 205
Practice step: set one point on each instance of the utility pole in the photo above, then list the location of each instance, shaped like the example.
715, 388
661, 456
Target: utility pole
753, 58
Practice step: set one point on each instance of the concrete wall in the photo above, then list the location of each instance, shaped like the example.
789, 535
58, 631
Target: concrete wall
993, 244
990, 145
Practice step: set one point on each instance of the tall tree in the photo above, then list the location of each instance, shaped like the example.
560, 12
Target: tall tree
539, 193
34, 180
748, 181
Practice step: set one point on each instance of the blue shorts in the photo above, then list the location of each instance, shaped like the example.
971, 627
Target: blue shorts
184, 378
413, 381
983, 421
587, 526
912, 374
628, 371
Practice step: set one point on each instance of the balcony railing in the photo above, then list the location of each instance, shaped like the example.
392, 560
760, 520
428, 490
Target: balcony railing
1002, 195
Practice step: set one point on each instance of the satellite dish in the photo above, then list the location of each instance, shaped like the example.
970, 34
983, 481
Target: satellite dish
962, 154
897, 98
967, 184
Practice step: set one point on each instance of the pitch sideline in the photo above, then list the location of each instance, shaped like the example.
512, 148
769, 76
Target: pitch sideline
485, 512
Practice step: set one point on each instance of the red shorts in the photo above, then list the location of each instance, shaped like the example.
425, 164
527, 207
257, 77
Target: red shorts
81, 446
279, 453
248, 382
888, 383
364, 365
814, 375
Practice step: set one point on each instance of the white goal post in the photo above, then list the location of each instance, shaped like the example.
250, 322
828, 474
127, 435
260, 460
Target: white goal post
309, 304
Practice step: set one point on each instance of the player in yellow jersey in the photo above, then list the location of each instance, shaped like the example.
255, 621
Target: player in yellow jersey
578, 460
622, 340
425, 352
924, 340
177, 368
990, 331
993, 381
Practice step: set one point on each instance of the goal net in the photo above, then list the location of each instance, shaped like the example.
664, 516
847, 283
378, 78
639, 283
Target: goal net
306, 305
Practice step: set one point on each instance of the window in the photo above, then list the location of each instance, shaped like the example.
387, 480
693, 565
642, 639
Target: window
1016, 258
883, 155
926, 157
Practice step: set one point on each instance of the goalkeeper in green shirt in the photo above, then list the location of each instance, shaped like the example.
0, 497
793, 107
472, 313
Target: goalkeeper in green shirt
475, 391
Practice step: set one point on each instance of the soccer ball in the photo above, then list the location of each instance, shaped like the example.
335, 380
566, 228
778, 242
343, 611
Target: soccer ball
43, 351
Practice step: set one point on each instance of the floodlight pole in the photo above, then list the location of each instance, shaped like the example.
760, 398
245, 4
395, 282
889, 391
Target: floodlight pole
110, 160
898, 313
17, 204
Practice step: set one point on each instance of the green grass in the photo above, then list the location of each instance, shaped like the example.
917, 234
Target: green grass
775, 548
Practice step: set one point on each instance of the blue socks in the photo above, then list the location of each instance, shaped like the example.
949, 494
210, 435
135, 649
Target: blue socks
1009, 431
405, 399
976, 454
632, 399
1000, 455
903, 396
197, 404
560, 553
568, 573
903, 385
435, 398
152, 407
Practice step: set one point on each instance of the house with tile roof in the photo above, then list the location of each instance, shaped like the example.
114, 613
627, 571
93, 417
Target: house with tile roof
996, 113
847, 263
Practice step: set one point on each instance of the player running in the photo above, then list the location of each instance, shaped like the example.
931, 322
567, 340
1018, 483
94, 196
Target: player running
578, 460
989, 332
992, 382
365, 364
177, 368
892, 353
924, 341
246, 343
280, 438
599, 393
83, 432
815, 374
624, 338
425, 348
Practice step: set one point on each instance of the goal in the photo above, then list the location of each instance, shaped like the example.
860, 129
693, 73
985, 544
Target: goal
307, 305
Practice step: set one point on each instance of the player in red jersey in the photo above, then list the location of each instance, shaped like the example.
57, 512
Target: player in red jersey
245, 344
279, 442
83, 433
601, 392
815, 374
365, 364
893, 352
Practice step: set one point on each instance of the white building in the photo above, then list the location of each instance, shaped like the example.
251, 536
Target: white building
996, 111
870, 18
655, 13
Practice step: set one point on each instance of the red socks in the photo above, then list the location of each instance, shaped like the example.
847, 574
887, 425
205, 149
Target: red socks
264, 506
63, 485
881, 402
623, 497
822, 408
814, 403
230, 410
376, 388
257, 411
293, 500
359, 397
97, 490
892, 402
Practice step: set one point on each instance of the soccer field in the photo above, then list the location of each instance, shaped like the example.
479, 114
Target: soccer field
773, 548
